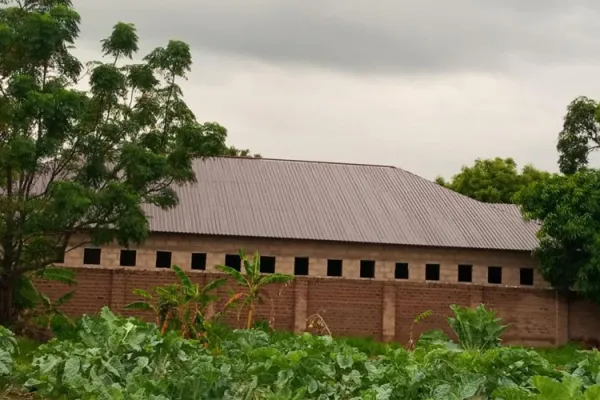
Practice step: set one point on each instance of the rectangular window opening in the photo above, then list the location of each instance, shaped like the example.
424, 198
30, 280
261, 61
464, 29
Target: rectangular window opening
465, 273
334, 267
367, 269
401, 271
526, 276
92, 256
432, 272
301, 266
495, 275
233, 261
128, 258
267, 264
163, 259
198, 261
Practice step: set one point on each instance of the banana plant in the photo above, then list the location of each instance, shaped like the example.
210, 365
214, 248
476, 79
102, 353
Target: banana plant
180, 306
253, 284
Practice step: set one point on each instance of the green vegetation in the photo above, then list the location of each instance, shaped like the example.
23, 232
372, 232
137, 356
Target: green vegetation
180, 306
569, 206
253, 284
112, 357
494, 180
185, 356
76, 161
580, 135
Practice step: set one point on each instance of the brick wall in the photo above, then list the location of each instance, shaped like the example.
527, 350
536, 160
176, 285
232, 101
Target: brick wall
359, 307
182, 246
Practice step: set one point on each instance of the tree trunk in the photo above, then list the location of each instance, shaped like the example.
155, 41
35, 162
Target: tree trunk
250, 315
6, 301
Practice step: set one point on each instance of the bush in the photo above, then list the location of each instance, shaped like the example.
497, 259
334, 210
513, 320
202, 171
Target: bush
121, 358
476, 328
8, 347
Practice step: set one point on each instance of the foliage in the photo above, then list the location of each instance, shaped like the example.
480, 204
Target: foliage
8, 347
563, 355
28, 297
419, 318
119, 358
580, 135
493, 180
235, 152
550, 389
476, 329
568, 208
253, 283
181, 306
79, 161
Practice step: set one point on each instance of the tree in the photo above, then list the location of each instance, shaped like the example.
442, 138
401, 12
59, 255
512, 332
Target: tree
580, 135
180, 306
568, 208
253, 283
235, 152
78, 161
494, 180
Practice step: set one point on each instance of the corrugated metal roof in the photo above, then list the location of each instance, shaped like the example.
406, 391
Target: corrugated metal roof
337, 202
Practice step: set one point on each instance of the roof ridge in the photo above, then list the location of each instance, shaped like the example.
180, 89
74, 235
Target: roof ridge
308, 161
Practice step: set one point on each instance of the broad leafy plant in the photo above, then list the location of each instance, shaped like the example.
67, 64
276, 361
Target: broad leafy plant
544, 388
253, 284
8, 347
476, 329
121, 358
181, 306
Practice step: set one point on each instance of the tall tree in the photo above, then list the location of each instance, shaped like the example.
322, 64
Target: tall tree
235, 152
74, 161
493, 180
568, 207
580, 135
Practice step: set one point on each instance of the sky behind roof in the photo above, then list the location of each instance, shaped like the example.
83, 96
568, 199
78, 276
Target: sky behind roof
411, 84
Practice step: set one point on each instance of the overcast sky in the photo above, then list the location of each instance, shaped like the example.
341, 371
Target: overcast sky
418, 85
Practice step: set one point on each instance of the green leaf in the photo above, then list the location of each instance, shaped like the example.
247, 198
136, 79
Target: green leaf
139, 305
183, 278
71, 370
275, 278
592, 393
64, 298
233, 273
344, 361
551, 389
313, 386
215, 284
143, 293
61, 275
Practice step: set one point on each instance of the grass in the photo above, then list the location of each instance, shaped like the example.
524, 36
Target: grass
561, 356
26, 349
25, 356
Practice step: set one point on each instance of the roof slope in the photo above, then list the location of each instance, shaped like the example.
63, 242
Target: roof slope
337, 202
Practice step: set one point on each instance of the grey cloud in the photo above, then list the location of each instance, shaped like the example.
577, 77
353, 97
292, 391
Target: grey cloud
385, 36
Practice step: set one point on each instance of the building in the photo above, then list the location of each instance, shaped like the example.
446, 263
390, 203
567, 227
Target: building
378, 245
331, 219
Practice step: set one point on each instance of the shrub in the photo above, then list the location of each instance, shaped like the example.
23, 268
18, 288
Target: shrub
180, 306
253, 284
476, 328
8, 347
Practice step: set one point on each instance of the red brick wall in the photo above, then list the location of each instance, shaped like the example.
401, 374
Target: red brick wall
584, 321
360, 307
349, 307
414, 298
